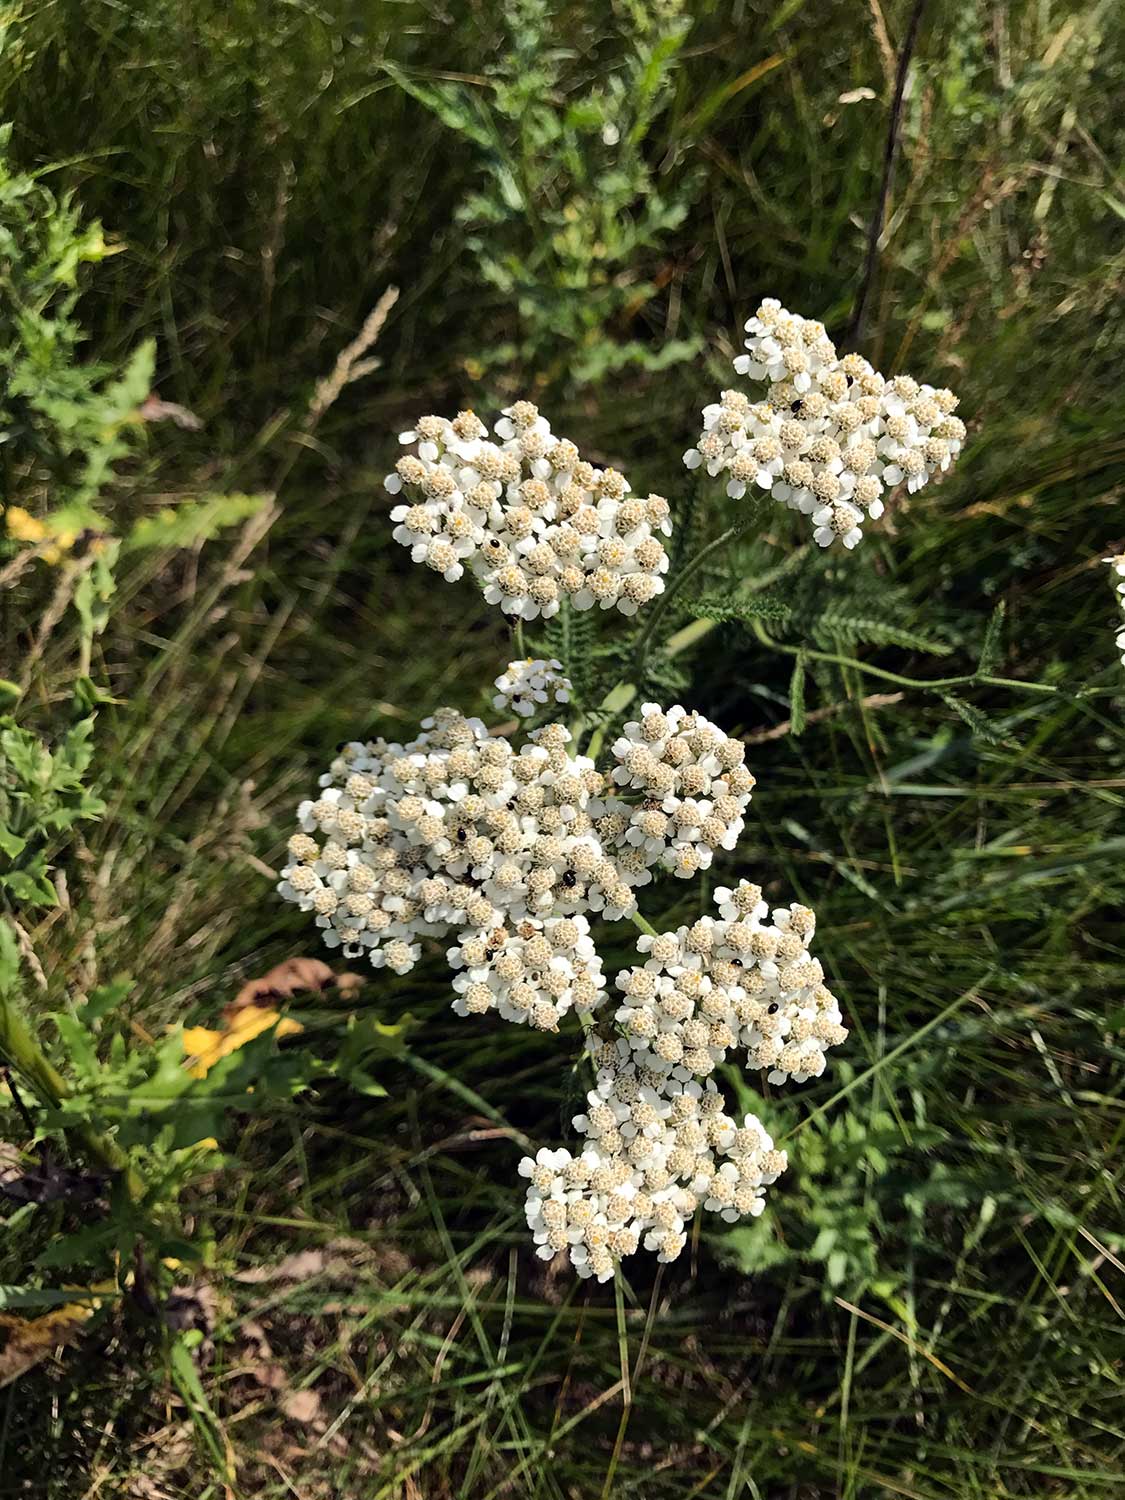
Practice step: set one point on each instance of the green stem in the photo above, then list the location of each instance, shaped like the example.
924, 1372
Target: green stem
521, 651
689, 570
644, 924
620, 696
23, 1053
615, 701
910, 682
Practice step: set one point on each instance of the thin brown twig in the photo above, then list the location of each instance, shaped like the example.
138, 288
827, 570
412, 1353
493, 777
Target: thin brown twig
883, 40
890, 156
779, 731
350, 364
12, 571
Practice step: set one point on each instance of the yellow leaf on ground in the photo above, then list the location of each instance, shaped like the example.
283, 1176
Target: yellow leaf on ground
204, 1047
26, 1342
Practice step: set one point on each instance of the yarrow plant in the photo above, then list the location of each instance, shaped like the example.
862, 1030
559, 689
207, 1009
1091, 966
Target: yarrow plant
829, 436
508, 844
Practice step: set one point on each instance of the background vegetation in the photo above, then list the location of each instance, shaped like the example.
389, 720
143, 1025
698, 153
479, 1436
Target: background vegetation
582, 203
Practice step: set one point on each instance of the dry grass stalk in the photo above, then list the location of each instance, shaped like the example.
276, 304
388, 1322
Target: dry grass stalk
350, 364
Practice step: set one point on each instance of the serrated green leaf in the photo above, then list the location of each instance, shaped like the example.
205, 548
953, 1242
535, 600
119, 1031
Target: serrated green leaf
981, 725
451, 102
106, 997
992, 645
32, 886
837, 625
11, 844
766, 606
28, 757
73, 757
94, 590
199, 521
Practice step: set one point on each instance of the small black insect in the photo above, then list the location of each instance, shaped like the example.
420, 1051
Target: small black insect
461, 835
570, 878
773, 1009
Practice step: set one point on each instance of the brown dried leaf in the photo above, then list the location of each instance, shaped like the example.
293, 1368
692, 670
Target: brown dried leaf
290, 978
27, 1342
153, 409
271, 1376
301, 1406
297, 1267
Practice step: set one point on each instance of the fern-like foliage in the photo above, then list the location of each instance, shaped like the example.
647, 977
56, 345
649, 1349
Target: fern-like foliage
834, 605
723, 607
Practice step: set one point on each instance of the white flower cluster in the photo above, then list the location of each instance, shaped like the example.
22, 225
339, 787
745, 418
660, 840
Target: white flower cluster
535, 974
656, 1150
1118, 566
659, 1144
830, 435
533, 520
527, 685
458, 830
693, 783
743, 981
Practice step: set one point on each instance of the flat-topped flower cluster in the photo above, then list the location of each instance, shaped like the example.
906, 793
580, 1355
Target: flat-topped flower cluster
829, 435
655, 1153
513, 850
740, 982
459, 830
659, 1141
528, 515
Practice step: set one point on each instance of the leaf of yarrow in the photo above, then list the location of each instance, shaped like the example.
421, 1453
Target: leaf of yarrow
981, 725
770, 606
834, 626
993, 643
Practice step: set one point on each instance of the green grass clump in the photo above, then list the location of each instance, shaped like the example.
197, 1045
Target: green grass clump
931, 1306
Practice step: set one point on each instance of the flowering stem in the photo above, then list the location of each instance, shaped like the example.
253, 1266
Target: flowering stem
643, 924
520, 649
690, 568
620, 696
615, 700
